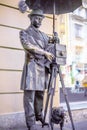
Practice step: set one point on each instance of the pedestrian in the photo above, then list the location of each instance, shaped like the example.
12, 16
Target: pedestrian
33, 79
78, 83
84, 83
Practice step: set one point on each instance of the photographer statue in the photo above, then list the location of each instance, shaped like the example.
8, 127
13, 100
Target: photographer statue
33, 79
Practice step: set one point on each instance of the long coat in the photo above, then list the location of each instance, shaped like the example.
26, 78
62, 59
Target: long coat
33, 75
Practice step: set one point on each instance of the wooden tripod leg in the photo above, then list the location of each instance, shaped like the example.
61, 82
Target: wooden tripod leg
51, 100
50, 94
48, 97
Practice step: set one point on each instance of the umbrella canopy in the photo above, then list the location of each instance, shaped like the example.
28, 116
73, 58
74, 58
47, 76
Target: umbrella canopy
61, 6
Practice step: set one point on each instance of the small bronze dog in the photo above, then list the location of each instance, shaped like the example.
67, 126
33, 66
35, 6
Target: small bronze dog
58, 115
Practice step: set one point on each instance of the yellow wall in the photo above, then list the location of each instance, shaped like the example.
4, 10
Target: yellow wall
12, 55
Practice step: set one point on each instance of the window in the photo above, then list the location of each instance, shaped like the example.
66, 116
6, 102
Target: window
86, 13
85, 68
78, 31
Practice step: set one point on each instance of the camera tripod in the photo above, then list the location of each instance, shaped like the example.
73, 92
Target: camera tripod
50, 93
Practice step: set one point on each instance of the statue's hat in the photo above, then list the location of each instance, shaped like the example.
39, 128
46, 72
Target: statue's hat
37, 12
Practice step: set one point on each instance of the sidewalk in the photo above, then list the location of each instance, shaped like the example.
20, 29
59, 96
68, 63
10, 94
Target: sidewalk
78, 126
75, 105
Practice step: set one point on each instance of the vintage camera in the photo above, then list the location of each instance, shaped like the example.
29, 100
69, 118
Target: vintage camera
60, 54
59, 50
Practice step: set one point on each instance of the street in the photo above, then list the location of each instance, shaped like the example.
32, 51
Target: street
73, 95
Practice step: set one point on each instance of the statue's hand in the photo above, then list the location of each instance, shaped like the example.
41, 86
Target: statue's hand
49, 56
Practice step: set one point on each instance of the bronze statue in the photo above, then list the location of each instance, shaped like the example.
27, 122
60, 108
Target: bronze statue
33, 80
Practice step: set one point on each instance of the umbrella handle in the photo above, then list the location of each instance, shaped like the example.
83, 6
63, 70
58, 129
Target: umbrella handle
54, 16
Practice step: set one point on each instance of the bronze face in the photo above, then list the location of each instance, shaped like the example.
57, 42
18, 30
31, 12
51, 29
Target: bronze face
36, 20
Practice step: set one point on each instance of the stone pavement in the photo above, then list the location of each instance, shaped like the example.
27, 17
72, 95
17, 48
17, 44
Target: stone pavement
82, 125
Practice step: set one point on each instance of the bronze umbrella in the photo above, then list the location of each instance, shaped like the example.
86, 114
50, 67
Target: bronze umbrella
54, 6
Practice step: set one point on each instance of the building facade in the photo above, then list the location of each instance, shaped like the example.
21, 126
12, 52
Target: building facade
78, 40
